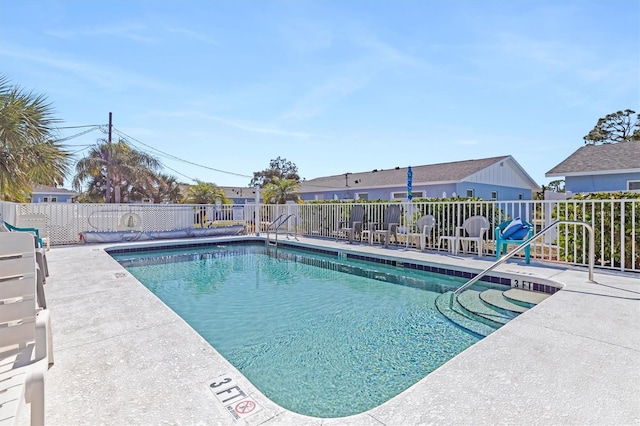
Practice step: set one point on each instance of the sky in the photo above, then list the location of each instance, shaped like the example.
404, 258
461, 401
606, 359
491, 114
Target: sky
217, 89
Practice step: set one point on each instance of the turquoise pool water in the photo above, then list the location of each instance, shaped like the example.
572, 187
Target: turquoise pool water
318, 335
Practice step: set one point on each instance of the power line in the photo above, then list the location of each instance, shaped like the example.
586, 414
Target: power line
175, 171
77, 134
80, 127
178, 158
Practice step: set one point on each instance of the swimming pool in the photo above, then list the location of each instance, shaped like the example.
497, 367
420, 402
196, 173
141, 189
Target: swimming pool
319, 335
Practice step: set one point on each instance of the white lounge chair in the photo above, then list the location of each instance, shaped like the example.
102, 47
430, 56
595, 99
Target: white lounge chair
25, 331
41, 256
36, 221
424, 226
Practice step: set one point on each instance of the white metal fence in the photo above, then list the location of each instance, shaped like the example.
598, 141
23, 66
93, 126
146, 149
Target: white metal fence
616, 222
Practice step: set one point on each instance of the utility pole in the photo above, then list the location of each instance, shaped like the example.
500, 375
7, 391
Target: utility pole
108, 159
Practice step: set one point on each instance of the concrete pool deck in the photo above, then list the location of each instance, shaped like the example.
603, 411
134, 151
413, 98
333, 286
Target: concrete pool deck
123, 357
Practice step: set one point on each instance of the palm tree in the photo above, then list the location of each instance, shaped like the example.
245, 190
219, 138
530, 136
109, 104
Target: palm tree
280, 190
29, 154
119, 164
205, 193
160, 188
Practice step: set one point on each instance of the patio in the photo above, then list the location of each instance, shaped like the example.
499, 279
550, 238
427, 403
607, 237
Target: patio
123, 357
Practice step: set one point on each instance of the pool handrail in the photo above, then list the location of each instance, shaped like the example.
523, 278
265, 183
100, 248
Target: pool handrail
278, 222
504, 258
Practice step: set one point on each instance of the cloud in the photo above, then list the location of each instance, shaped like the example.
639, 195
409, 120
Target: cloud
369, 57
194, 35
128, 31
247, 127
306, 36
108, 76
322, 96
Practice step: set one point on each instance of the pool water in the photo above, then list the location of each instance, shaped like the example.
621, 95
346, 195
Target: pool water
314, 339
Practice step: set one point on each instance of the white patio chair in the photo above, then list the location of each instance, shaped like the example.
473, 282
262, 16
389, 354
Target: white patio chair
471, 231
39, 222
424, 226
25, 331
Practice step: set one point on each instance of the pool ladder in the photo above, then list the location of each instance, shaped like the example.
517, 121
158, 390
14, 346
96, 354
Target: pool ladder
275, 226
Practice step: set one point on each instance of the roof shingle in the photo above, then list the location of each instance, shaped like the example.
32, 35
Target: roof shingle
600, 158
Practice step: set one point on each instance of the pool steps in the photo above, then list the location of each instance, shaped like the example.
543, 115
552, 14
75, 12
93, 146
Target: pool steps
481, 312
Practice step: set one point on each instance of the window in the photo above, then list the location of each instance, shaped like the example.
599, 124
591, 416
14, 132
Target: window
398, 195
45, 199
364, 196
633, 185
494, 195
54, 199
520, 196
470, 193
403, 195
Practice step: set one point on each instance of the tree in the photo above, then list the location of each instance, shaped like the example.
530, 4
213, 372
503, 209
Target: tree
205, 193
279, 191
117, 163
29, 153
554, 186
621, 126
159, 188
279, 167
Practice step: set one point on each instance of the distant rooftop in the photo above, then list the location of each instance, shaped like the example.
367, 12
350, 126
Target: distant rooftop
455, 171
619, 157
43, 189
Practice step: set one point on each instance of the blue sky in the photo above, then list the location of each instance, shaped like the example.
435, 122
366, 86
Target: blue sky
333, 86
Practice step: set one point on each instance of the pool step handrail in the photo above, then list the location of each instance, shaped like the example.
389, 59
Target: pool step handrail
504, 258
275, 226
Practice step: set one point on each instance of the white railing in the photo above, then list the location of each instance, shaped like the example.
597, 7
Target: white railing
616, 223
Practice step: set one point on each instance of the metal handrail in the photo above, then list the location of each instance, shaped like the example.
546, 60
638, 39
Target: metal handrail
282, 222
504, 258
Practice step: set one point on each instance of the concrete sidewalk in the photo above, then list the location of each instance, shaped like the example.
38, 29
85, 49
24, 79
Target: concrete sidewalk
123, 357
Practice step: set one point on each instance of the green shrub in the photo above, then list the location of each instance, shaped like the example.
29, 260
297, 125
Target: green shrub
605, 217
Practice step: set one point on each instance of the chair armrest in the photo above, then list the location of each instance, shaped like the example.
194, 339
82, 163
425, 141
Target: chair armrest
15, 228
459, 231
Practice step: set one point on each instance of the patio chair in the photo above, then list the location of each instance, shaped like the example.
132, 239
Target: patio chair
25, 331
424, 226
37, 241
472, 230
388, 226
36, 221
513, 232
353, 225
